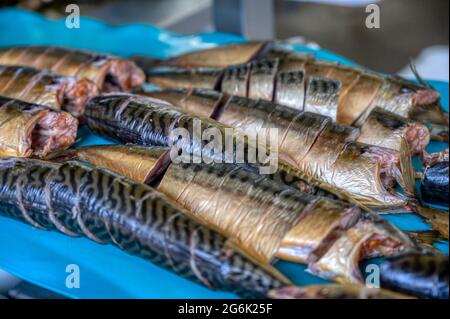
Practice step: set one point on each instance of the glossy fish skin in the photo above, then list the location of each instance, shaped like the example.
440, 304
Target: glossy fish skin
42, 87
79, 200
386, 129
348, 291
362, 90
215, 57
140, 120
34, 130
264, 218
421, 274
109, 73
434, 183
324, 150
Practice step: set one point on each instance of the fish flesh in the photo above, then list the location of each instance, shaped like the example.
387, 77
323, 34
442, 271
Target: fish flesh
347, 291
421, 274
266, 219
79, 200
310, 142
434, 182
345, 93
30, 130
108, 72
45, 88
438, 219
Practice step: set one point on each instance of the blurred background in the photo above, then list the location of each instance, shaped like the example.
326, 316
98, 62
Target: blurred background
409, 29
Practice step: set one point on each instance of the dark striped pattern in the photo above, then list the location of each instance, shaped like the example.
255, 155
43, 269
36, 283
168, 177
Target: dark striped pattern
421, 274
79, 200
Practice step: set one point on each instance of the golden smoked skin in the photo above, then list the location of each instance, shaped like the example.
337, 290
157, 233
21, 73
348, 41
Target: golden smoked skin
265, 219
33, 130
387, 129
217, 56
15, 128
358, 90
45, 88
313, 143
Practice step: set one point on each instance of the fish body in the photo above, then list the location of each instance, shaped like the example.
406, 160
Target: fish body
42, 87
347, 93
266, 219
109, 73
78, 200
421, 274
434, 183
316, 145
348, 291
30, 130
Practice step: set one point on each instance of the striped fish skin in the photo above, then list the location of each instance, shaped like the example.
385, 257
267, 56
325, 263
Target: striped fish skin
360, 90
109, 73
78, 200
139, 120
216, 57
434, 183
421, 274
263, 217
313, 143
42, 87
30, 130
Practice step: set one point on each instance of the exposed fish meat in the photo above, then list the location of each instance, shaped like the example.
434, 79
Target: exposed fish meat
42, 87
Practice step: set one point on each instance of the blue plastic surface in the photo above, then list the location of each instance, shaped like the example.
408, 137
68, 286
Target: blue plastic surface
106, 272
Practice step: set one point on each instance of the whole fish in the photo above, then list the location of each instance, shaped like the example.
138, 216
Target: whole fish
266, 219
79, 200
45, 88
347, 291
434, 182
109, 73
30, 130
417, 273
312, 143
379, 127
298, 80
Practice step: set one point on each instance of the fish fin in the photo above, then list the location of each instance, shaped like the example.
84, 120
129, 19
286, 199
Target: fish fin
407, 180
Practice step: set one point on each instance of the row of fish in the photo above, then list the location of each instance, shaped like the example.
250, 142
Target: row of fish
199, 219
